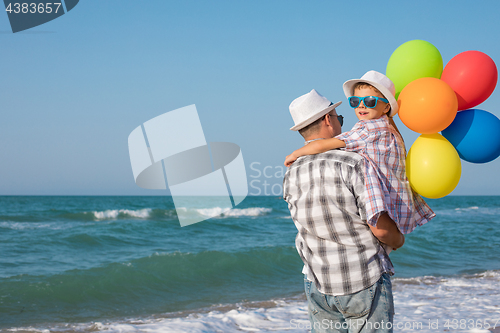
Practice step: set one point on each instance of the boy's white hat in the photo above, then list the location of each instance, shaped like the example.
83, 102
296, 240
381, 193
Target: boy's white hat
308, 108
379, 81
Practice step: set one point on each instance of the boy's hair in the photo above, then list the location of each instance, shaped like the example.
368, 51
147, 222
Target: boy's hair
364, 84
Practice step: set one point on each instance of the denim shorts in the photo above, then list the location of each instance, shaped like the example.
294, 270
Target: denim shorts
368, 310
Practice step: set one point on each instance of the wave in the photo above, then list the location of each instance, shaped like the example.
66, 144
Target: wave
468, 208
449, 301
120, 214
24, 221
110, 214
236, 212
29, 225
115, 213
161, 282
275, 315
44, 220
472, 210
452, 280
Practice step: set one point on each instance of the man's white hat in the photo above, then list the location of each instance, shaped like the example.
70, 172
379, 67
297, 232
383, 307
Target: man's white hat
379, 81
308, 108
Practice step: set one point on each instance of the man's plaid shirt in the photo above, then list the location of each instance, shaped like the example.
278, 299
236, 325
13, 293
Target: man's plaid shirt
326, 195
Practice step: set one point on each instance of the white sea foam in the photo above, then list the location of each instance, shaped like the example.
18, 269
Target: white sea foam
423, 304
468, 208
30, 225
457, 304
476, 210
256, 211
236, 212
215, 211
113, 213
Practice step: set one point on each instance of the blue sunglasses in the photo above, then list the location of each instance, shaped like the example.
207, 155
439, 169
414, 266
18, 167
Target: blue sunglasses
368, 101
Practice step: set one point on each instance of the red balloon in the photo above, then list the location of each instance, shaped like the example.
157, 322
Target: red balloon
473, 76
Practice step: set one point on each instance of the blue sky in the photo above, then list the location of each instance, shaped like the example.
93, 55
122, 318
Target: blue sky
73, 89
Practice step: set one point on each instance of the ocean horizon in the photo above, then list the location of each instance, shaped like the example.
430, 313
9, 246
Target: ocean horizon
123, 263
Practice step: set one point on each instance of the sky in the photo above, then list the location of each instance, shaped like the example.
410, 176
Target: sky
73, 89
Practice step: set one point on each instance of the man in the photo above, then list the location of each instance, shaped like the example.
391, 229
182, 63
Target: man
347, 271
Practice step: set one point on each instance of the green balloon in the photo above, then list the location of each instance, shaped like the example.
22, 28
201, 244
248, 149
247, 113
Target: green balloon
413, 60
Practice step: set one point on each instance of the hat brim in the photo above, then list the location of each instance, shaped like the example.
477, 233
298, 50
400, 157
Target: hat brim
385, 92
312, 119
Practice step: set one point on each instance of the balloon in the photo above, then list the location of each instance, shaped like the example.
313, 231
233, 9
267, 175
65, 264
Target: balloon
475, 134
473, 76
413, 60
433, 166
427, 105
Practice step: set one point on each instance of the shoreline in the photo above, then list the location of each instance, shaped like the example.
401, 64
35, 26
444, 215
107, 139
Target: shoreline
426, 304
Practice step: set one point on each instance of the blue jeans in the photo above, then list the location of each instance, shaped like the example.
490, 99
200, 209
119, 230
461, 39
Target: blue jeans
368, 310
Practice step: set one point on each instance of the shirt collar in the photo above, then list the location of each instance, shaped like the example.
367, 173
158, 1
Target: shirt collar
305, 143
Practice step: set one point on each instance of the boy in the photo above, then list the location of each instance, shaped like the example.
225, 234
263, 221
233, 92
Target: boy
376, 138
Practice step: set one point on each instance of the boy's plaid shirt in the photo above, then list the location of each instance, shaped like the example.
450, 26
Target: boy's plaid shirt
326, 195
385, 174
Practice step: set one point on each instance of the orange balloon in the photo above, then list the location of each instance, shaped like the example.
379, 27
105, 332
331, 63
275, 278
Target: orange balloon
427, 105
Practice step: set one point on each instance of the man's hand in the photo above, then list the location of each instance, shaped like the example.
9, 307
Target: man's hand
290, 159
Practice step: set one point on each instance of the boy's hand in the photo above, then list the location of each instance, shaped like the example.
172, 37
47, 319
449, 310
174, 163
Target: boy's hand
290, 159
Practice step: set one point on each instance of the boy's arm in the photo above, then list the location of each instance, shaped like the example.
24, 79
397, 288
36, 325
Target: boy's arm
315, 147
387, 232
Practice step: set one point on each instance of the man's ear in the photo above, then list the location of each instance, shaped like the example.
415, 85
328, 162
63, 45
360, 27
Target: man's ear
328, 119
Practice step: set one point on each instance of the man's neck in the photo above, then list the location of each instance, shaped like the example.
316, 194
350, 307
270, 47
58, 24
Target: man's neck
311, 140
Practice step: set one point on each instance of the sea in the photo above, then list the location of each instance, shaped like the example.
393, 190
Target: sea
124, 264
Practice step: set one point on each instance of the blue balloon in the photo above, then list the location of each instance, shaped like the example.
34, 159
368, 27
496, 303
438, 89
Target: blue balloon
475, 134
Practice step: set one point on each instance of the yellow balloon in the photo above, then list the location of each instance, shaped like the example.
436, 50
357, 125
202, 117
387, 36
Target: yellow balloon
433, 166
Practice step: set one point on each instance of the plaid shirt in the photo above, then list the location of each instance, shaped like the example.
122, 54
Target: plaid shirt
326, 195
385, 174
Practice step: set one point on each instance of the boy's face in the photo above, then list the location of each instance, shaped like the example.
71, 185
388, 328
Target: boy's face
364, 113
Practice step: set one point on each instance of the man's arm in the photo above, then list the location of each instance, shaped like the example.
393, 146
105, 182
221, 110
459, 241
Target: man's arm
387, 232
